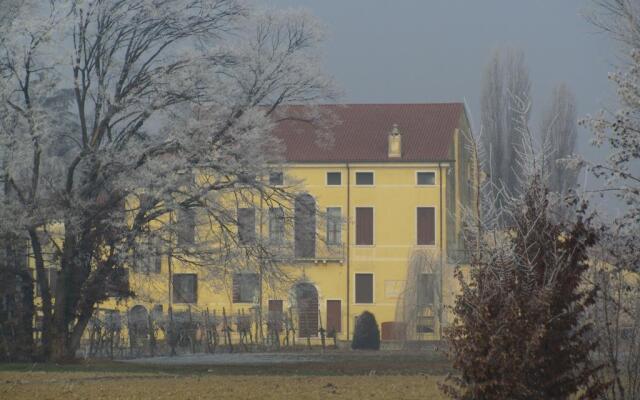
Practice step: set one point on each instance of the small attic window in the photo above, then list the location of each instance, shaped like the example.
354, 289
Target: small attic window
364, 178
276, 179
425, 178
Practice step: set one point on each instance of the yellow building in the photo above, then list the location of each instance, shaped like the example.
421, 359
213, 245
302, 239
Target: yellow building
385, 195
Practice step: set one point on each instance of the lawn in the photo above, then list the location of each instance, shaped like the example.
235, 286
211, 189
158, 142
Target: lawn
338, 376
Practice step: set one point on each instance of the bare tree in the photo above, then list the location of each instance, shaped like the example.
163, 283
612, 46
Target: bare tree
172, 105
559, 133
506, 80
620, 19
617, 261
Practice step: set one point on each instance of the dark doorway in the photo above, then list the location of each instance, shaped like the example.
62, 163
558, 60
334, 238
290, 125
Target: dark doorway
307, 303
275, 314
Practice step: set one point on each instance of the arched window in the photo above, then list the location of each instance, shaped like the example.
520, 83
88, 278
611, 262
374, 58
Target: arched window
305, 226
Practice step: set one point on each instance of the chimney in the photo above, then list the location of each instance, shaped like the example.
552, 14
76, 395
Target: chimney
395, 143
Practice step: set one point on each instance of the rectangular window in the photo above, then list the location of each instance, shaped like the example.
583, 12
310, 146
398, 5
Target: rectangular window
426, 178
245, 288
276, 225
334, 178
334, 317
246, 178
364, 178
364, 288
185, 288
276, 179
334, 226
149, 260
364, 226
426, 292
426, 226
186, 227
246, 225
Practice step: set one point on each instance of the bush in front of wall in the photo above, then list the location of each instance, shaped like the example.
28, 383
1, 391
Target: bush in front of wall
367, 334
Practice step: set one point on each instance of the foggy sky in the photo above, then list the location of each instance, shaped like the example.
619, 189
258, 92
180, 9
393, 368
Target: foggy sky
403, 51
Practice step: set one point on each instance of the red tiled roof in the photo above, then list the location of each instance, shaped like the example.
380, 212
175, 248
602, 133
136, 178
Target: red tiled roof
360, 132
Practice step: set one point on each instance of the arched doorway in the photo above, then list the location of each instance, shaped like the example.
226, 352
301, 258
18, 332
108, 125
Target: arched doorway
305, 226
138, 321
307, 304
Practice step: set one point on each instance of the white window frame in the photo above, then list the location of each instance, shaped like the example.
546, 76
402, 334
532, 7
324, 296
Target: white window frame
355, 227
276, 172
355, 177
373, 287
326, 178
436, 219
435, 178
326, 221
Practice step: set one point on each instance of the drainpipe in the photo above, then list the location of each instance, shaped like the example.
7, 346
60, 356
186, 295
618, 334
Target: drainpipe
348, 247
441, 255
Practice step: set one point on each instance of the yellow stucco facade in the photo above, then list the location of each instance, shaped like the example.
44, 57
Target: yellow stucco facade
381, 276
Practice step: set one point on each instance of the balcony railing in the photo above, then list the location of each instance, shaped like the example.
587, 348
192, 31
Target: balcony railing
323, 254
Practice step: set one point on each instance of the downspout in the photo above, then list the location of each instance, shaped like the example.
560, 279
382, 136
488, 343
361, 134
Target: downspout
441, 254
348, 247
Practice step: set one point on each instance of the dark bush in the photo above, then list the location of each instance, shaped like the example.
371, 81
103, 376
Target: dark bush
366, 335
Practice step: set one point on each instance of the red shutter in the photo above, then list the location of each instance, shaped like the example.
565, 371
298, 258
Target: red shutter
235, 288
364, 226
276, 314
334, 316
426, 226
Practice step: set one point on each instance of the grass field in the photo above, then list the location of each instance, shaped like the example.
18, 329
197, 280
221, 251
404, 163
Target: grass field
345, 376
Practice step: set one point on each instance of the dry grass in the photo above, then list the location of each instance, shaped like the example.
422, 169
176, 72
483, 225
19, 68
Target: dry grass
43, 385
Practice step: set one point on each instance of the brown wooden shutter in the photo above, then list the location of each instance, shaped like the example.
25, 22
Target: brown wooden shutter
364, 226
426, 226
334, 316
235, 288
364, 288
275, 314
246, 225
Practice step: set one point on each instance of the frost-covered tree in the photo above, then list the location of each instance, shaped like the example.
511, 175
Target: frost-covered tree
122, 115
559, 133
621, 132
506, 80
617, 262
519, 329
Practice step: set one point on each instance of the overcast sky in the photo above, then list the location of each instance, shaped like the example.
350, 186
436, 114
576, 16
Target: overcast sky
403, 51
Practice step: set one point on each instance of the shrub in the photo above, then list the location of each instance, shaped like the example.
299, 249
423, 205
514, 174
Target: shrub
520, 330
366, 335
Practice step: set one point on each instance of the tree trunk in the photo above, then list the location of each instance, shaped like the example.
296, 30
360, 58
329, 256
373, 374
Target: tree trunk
25, 345
45, 293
